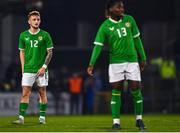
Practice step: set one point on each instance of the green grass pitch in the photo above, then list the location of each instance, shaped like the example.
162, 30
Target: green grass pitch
91, 123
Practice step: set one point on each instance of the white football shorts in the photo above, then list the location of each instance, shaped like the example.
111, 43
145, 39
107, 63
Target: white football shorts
124, 71
28, 79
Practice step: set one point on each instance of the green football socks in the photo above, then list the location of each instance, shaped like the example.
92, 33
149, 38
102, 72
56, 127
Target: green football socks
22, 109
42, 108
138, 101
116, 103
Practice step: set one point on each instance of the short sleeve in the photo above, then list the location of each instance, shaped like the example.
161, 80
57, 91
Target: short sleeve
135, 30
100, 36
49, 42
21, 42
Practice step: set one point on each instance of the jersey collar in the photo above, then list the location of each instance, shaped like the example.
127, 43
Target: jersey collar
114, 21
34, 33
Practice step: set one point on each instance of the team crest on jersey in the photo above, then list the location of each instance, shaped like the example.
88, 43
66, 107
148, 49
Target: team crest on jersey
40, 38
111, 28
127, 24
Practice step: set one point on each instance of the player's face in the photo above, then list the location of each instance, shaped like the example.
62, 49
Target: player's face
117, 10
34, 21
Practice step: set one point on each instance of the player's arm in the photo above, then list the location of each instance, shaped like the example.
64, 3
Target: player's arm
48, 57
46, 63
138, 44
22, 52
49, 46
21, 55
139, 48
95, 54
140, 52
99, 43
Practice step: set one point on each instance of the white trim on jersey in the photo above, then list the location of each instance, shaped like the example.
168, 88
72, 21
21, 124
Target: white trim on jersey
34, 33
136, 35
114, 21
50, 48
21, 49
98, 43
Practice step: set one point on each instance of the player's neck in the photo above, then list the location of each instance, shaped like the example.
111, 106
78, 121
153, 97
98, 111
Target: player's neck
34, 30
116, 18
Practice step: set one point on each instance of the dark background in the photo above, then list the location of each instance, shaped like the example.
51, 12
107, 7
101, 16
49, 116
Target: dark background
73, 25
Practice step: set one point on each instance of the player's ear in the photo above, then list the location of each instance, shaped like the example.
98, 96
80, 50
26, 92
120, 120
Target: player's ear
110, 9
28, 21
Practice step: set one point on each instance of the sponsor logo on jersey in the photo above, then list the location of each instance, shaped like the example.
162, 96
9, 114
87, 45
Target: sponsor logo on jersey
127, 24
111, 28
26, 38
40, 38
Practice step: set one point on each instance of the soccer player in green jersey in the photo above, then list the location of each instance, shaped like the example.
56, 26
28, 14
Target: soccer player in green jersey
35, 47
127, 58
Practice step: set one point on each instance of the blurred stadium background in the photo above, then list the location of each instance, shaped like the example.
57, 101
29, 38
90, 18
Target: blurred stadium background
73, 25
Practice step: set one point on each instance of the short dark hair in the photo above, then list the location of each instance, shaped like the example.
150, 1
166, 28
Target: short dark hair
109, 4
36, 13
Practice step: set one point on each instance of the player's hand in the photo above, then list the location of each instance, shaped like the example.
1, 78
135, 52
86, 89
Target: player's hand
41, 71
90, 70
142, 65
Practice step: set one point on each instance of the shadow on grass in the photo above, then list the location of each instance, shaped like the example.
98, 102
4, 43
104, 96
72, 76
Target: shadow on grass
26, 125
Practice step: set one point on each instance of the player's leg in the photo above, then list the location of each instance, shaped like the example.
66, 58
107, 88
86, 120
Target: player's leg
138, 103
42, 104
42, 82
134, 78
24, 101
23, 105
137, 98
116, 77
116, 103
27, 83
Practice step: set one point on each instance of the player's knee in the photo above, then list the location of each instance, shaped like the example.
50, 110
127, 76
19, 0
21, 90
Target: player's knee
25, 95
42, 94
133, 85
117, 85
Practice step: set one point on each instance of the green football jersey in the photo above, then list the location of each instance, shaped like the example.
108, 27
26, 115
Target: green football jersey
119, 35
35, 47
